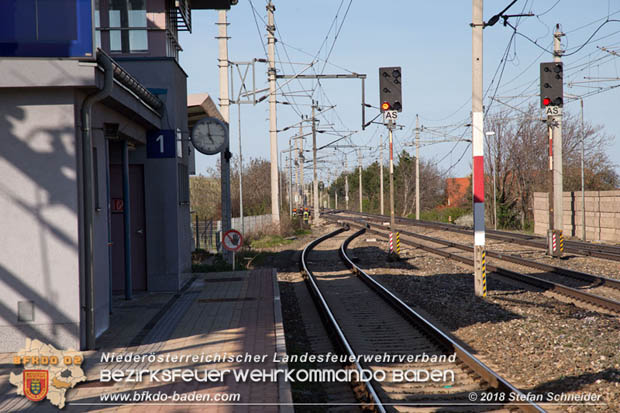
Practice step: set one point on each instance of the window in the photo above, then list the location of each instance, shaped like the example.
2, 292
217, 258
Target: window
128, 32
179, 143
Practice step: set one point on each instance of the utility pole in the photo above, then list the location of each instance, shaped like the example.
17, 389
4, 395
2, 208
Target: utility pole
315, 182
280, 182
359, 161
417, 167
336, 199
583, 187
240, 173
480, 287
298, 163
390, 127
346, 183
556, 124
290, 177
225, 111
301, 167
381, 171
273, 133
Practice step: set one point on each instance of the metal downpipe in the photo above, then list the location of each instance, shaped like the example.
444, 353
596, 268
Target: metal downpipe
87, 193
127, 220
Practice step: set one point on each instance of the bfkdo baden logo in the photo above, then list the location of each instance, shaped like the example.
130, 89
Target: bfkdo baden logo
36, 384
48, 372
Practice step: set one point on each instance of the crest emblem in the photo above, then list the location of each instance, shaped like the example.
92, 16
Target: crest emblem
36, 384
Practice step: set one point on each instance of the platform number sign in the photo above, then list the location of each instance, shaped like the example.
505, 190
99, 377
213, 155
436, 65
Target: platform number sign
161, 144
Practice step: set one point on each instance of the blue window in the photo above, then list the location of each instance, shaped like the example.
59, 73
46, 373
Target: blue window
46, 28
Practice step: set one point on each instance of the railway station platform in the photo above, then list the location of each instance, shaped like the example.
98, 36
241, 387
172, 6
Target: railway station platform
217, 324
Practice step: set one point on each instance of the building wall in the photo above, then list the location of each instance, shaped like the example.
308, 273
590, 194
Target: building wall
39, 247
103, 114
602, 214
169, 236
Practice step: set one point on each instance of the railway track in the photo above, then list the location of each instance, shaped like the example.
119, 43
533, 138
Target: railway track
608, 252
544, 284
366, 320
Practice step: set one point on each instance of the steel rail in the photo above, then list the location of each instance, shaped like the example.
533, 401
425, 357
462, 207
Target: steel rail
481, 369
528, 279
609, 252
337, 333
600, 280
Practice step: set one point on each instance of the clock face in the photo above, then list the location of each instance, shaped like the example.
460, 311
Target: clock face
210, 136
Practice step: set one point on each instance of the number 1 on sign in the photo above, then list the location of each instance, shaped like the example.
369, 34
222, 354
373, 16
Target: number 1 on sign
160, 139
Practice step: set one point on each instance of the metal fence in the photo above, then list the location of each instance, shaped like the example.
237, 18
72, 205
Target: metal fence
207, 234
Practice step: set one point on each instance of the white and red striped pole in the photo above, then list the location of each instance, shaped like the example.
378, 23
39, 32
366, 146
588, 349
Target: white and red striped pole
391, 244
478, 148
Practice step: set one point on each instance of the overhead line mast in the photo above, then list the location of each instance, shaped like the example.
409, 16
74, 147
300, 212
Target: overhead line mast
478, 149
273, 133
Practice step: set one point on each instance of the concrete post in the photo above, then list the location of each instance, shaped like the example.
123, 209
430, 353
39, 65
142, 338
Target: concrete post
556, 122
273, 134
359, 160
391, 180
381, 171
417, 167
315, 179
478, 149
225, 111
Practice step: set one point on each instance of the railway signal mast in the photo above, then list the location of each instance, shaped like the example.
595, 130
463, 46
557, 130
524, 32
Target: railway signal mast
390, 98
552, 101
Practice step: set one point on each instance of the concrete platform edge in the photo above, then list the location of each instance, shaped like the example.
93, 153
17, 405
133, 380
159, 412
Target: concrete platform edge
284, 388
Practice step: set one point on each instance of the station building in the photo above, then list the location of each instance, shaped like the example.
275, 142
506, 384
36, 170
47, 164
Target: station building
94, 162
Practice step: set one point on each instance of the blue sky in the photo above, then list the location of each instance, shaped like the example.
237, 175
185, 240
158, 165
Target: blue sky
430, 40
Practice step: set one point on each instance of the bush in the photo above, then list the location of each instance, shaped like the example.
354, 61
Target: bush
199, 255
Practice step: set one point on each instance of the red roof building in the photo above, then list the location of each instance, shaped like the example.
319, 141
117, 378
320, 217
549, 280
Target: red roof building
457, 190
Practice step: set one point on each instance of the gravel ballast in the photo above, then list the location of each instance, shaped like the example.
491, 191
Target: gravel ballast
537, 342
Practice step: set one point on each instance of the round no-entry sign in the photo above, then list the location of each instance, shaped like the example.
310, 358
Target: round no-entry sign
232, 240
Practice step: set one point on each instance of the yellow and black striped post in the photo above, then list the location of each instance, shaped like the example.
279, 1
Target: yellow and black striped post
398, 243
561, 242
484, 273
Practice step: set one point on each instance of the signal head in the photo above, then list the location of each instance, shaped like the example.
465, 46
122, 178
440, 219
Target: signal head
546, 101
385, 106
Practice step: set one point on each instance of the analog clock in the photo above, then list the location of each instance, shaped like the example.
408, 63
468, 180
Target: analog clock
210, 136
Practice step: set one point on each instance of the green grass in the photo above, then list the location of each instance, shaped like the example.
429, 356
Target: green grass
441, 215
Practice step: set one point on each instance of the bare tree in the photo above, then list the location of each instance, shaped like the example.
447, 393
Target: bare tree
518, 153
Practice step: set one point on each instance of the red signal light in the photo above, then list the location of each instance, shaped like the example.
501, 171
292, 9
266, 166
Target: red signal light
385, 106
546, 101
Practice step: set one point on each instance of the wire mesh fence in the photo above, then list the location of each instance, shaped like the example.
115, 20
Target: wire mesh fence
207, 234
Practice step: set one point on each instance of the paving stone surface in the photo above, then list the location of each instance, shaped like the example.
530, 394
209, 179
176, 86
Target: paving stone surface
233, 313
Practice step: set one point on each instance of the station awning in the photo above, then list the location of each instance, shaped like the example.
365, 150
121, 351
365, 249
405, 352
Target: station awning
200, 105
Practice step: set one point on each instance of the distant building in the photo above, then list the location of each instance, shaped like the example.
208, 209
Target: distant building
94, 162
457, 191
